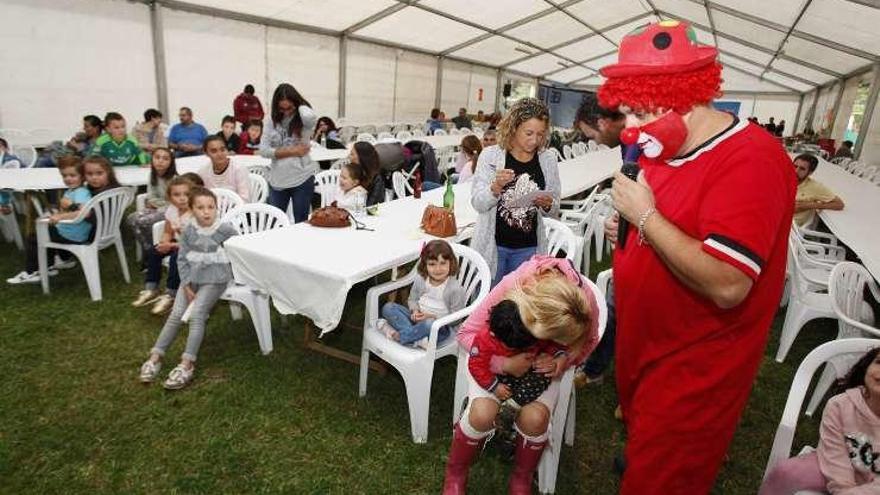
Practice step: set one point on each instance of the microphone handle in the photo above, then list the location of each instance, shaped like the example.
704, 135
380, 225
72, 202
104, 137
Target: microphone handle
631, 170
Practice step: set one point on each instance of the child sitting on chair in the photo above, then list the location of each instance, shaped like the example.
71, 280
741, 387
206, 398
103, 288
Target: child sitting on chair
846, 460
435, 293
351, 187
204, 274
507, 336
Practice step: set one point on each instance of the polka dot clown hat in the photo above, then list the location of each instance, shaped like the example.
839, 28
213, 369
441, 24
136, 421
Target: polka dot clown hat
666, 47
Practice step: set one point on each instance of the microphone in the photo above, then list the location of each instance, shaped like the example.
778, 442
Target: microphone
630, 168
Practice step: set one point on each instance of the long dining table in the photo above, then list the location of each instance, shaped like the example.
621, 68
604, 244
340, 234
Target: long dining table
309, 270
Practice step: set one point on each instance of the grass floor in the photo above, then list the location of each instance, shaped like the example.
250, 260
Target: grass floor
74, 419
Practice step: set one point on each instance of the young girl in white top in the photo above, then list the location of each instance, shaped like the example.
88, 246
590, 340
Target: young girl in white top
351, 187
204, 275
162, 170
175, 215
467, 161
434, 294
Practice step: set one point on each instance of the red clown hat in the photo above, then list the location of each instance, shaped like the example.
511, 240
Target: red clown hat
667, 47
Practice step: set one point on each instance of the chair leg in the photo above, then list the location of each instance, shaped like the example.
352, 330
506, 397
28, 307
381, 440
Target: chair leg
92, 271
794, 320
364, 371
262, 319
570, 420
418, 395
123, 262
829, 375
460, 387
43, 265
235, 310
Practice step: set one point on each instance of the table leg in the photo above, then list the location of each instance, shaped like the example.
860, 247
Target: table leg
311, 342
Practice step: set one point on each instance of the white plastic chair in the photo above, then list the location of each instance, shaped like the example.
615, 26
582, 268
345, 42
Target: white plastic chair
327, 184
25, 153
367, 129
808, 299
562, 420
385, 136
556, 152
9, 228
417, 133
247, 219
849, 349
109, 210
465, 131
416, 365
227, 199
261, 170
567, 152
404, 136
401, 186
259, 191
579, 149
440, 132
366, 138
454, 132
560, 238
847, 287
384, 128
592, 145
841, 161
584, 224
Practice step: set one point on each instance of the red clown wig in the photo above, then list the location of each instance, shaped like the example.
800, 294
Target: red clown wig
652, 92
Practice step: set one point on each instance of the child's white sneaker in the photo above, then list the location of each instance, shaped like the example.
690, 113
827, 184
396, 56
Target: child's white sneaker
60, 264
179, 377
145, 297
162, 305
387, 330
150, 370
28, 278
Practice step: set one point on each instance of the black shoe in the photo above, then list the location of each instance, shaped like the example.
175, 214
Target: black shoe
618, 465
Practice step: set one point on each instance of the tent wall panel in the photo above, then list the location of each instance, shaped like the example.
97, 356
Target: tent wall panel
64, 59
764, 107
850, 90
456, 87
416, 85
482, 78
871, 148
809, 98
823, 108
310, 62
369, 93
209, 60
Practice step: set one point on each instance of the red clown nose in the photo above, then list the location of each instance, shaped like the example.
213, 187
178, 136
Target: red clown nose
629, 135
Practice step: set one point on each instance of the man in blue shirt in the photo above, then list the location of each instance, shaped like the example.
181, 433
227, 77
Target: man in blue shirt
186, 138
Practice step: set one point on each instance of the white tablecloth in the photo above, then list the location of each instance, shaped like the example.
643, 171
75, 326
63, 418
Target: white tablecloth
309, 270
856, 224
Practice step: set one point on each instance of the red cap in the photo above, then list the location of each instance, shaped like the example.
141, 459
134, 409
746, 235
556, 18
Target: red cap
666, 47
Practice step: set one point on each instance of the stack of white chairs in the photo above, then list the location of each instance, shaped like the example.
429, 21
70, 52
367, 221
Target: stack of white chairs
848, 349
567, 152
849, 284
808, 297
108, 209
556, 152
247, 219
367, 138
585, 217
416, 365
592, 145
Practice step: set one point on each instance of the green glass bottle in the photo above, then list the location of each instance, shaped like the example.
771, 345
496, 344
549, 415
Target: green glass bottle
449, 195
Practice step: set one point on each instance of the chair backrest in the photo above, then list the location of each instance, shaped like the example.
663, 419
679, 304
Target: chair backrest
579, 149
567, 152
559, 156
109, 210
261, 170
384, 128
25, 153
347, 132
226, 200
466, 131
404, 136
851, 348
259, 191
560, 238
474, 274
592, 145
256, 217
416, 132
367, 129
367, 138
847, 286
841, 161
385, 135
455, 132
326, 184
400, 184
440, 132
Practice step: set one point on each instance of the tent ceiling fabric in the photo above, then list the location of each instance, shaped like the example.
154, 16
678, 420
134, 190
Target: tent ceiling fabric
566, 41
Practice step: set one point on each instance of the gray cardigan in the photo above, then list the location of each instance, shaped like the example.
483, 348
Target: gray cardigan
453, 294
491, 159
292, 171
201, 259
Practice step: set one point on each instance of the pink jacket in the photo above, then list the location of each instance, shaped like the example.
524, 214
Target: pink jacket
235, 178
478, 321
847, 439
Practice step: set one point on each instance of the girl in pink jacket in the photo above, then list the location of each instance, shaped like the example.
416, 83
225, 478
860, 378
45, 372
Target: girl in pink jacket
846, 461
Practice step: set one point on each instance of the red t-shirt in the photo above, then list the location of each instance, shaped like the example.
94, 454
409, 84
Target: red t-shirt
736, 194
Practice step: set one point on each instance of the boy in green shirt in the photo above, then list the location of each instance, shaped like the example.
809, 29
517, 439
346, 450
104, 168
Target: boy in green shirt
116, 145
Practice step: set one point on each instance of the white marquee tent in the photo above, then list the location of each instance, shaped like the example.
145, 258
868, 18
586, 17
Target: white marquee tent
385, 60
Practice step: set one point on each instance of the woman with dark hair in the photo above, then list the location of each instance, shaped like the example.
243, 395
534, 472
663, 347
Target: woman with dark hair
364, 154
845, 460
286, 143
326, 128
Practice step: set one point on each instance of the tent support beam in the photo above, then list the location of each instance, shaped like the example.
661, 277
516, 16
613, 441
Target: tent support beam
797, 116
836, 107
158, 35
869, 112
811, 114
498, 89
343, 73
771, 69
787, 35
438, 89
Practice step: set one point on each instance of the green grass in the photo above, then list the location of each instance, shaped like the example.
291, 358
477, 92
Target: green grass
74, 419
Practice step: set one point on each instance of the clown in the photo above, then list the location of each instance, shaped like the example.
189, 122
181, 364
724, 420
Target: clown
702, 271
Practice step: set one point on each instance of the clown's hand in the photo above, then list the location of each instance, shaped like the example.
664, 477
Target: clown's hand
631, 198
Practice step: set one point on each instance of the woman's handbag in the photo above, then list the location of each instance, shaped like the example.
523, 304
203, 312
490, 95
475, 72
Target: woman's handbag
439, 222
330, 216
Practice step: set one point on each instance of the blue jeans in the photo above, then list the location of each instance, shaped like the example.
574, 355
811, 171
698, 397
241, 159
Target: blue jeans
601, 356
398, 317
428, 185
301, 196
154, 271
509, 260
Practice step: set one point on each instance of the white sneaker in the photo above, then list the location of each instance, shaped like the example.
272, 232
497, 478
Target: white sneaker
162, 305
179, 377
145, 297
28, 278
60, 264
387, 330
149, 371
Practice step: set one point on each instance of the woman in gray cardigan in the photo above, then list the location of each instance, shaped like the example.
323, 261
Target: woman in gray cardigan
286, 143
515, 184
